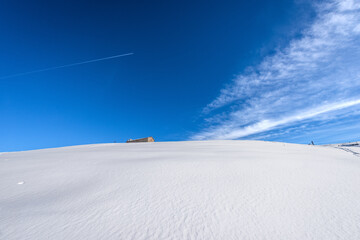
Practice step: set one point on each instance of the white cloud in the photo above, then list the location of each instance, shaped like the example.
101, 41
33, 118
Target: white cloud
228, 131
319, 68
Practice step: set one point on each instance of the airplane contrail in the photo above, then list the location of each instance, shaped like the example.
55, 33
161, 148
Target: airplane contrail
64, 66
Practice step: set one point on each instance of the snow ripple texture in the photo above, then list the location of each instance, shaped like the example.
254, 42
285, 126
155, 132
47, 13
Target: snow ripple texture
181, 190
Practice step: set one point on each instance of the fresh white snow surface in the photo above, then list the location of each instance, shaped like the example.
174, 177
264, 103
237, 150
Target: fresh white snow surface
181, 190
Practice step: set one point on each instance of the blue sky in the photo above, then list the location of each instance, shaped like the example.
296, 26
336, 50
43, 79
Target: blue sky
270, 70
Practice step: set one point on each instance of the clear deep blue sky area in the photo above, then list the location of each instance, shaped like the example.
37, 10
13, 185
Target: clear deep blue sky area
200, 70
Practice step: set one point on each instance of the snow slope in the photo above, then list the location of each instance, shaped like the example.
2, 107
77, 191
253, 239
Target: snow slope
181, 190
352, 147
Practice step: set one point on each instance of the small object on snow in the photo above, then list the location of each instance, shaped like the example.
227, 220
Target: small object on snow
147, 139
20, 183
312, 143
349, 144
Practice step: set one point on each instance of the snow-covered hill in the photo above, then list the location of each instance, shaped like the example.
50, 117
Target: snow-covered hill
181, 190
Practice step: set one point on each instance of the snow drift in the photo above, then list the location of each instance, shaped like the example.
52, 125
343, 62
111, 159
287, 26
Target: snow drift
181, 190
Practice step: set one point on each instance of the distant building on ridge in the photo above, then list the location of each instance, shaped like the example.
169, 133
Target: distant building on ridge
147, 139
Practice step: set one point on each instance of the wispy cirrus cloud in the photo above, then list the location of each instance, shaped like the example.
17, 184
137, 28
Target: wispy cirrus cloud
316, 74
230, 131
